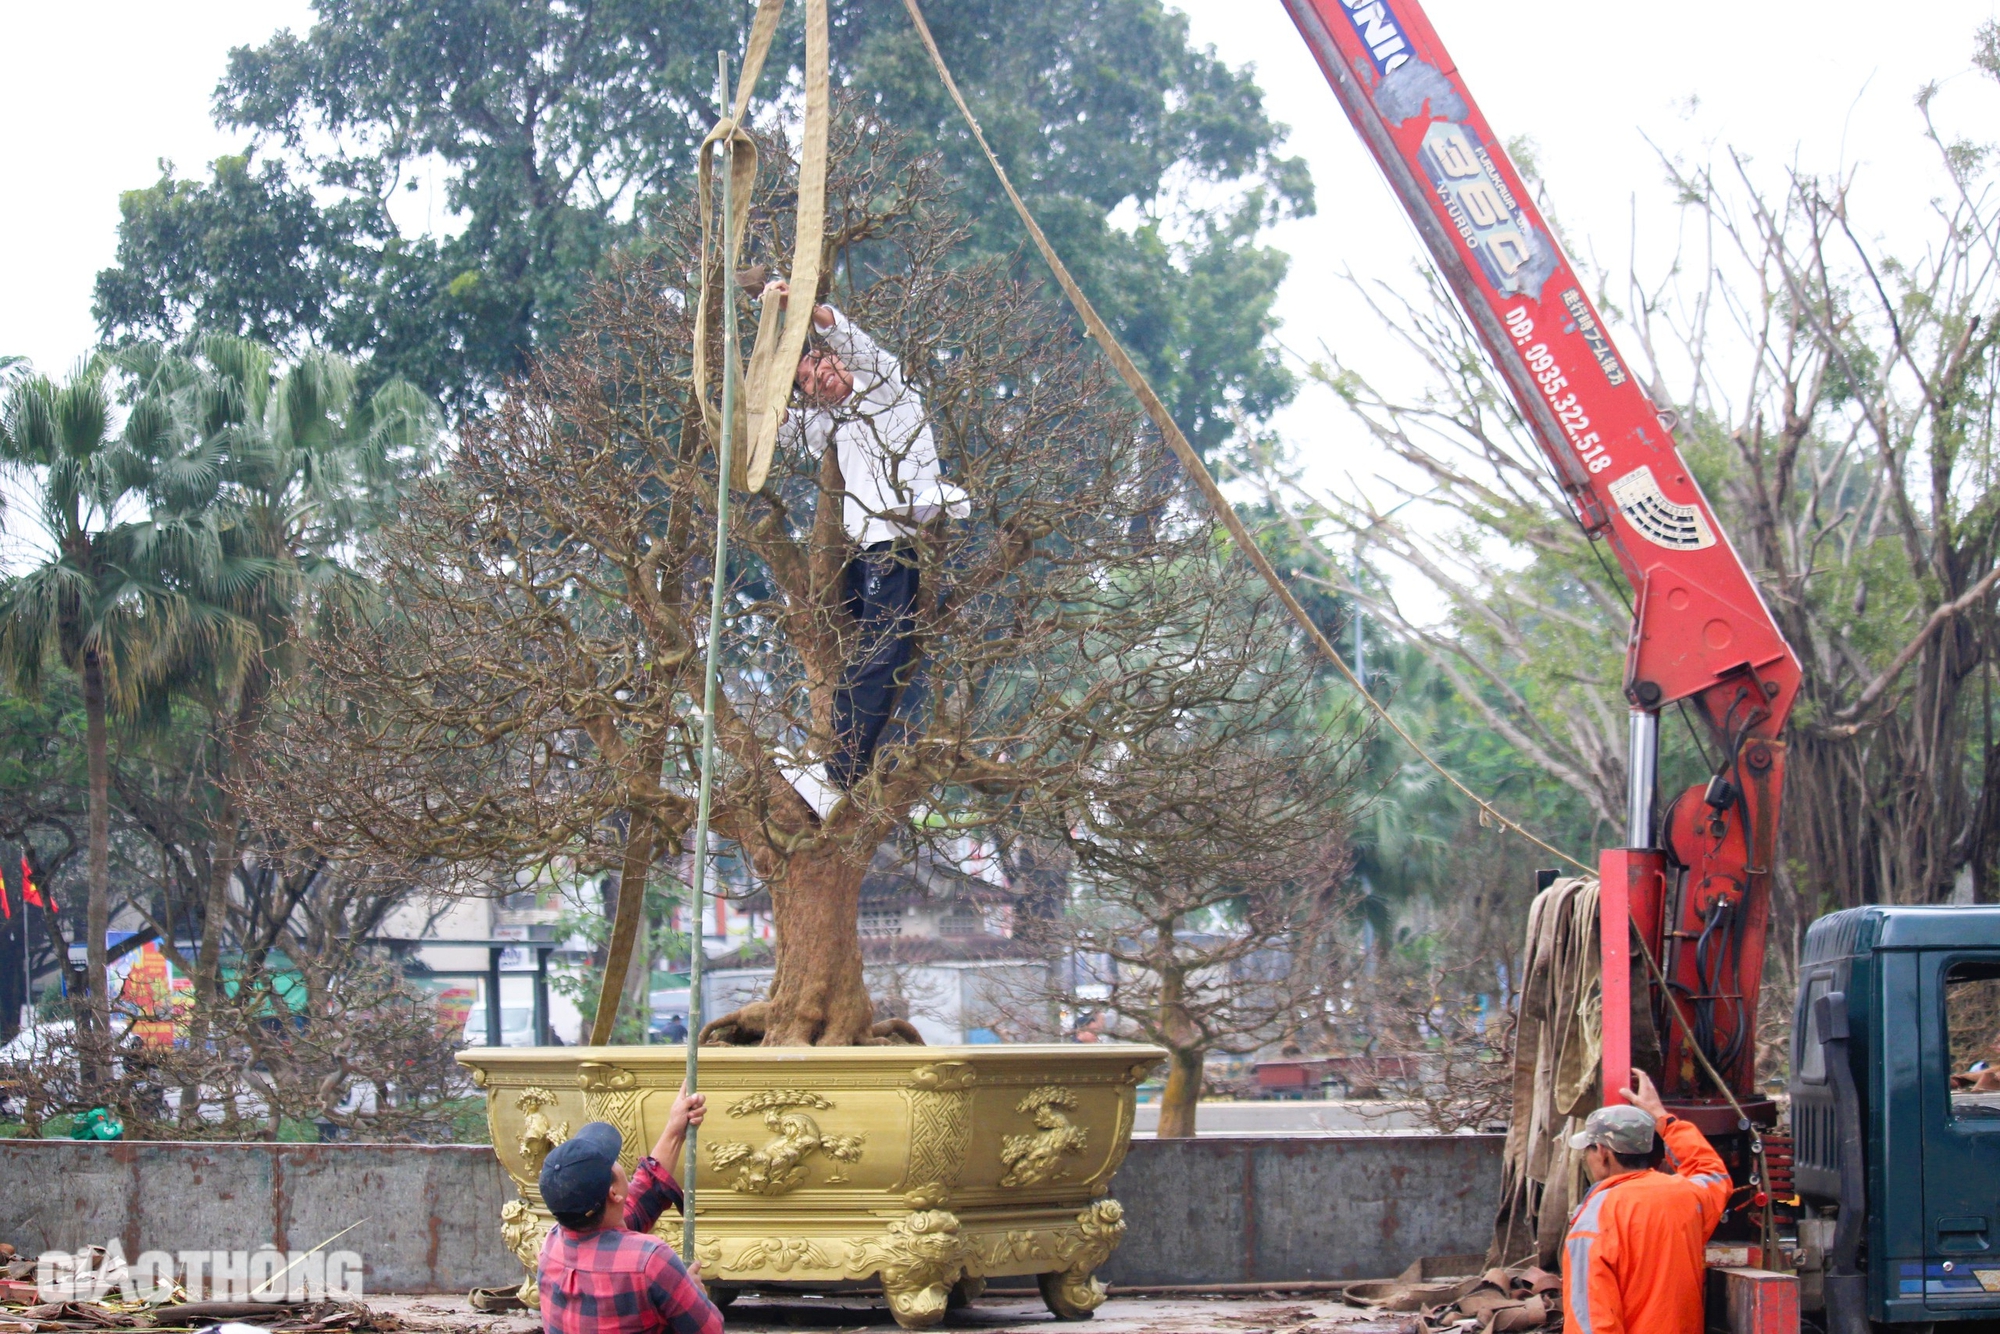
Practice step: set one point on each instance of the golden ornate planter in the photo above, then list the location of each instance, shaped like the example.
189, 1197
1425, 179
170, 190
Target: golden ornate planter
931, 1169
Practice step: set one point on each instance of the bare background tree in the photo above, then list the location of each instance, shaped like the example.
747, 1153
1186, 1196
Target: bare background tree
1837, 404
312, 1033
1206, 890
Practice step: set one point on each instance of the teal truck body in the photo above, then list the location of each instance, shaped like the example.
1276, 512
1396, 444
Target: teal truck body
1897, 1144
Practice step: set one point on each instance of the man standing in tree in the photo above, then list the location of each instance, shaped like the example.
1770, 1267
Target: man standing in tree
856, 401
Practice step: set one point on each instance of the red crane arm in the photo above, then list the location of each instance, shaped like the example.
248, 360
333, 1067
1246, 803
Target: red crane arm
1701, 632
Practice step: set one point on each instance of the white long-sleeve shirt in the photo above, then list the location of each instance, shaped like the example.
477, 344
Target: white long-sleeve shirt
888, 456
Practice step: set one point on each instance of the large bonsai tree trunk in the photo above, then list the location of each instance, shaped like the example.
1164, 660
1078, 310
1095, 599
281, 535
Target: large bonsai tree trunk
818, 997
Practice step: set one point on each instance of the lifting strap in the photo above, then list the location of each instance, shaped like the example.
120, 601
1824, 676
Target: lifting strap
779, 341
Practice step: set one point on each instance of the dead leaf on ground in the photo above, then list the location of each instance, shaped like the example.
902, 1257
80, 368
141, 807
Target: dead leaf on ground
1270, 1315
1395, 1325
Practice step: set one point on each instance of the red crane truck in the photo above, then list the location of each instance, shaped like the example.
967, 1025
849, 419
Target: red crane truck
1898, 1154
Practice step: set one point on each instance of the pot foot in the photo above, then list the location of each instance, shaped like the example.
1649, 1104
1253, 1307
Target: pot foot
919, 1308
1071, 1294
523, 1227
919, 1260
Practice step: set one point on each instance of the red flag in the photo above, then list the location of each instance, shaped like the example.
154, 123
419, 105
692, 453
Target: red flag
29, 894
6, 910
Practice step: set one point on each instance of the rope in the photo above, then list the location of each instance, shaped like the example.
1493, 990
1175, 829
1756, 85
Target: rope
717, 586
1204, 481
1197, 471
715, 270
745, 455
749, 436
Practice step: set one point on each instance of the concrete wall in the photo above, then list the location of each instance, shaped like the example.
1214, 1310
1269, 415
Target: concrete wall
433, 1211
1239, 1209
1202, 1211
1283, 1116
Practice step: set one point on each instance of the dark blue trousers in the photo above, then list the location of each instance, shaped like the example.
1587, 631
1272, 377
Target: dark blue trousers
882, 598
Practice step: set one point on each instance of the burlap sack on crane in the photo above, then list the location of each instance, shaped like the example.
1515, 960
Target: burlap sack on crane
1558, 1051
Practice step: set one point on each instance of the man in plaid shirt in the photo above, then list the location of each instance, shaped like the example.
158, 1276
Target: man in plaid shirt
602, 1271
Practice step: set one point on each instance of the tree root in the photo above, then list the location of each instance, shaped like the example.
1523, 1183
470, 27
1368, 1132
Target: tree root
895, 1033
749, 1026
739, 1028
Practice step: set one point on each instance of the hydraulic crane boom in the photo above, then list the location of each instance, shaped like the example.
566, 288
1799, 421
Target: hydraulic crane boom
1697, 889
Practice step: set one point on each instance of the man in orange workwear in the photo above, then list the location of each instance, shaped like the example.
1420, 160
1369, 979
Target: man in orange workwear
1633, 1259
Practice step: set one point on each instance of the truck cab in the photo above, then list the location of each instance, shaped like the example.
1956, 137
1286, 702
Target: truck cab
1896, 1116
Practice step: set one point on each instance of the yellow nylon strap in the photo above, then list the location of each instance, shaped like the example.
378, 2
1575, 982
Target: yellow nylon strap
1196, 469
743, 475
718, 269
780, 342
762, 29
772, 370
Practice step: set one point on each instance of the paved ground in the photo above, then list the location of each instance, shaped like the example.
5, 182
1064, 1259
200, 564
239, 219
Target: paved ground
992, 1314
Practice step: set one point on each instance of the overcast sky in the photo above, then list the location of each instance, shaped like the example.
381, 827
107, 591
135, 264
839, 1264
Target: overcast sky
1829, 84
97, 91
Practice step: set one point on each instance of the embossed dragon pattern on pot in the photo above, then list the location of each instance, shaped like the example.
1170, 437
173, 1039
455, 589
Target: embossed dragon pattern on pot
920, 1166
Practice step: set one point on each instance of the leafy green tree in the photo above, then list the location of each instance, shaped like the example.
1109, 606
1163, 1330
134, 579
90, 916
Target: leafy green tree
90, 605
1099, 107
556, 127
248, 252
291, 465
184, 545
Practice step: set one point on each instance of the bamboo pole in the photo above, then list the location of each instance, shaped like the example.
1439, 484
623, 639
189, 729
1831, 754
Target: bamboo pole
718, 588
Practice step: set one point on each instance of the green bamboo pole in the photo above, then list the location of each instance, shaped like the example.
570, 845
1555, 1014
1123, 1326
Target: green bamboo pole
718, 583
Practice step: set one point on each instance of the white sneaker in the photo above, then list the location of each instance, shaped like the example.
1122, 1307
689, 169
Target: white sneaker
807, 779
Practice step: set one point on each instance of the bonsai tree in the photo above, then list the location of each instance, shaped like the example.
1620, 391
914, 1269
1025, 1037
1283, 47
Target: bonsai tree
531, 691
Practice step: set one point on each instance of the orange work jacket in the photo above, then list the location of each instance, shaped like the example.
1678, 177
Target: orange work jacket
1633, 1259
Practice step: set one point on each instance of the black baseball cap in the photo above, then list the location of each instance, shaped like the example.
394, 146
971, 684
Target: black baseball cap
576, 1175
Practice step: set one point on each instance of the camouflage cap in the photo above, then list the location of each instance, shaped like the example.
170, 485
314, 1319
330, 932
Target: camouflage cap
1621, 1129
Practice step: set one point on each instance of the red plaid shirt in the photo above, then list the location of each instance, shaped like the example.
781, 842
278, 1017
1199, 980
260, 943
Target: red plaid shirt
623, 1280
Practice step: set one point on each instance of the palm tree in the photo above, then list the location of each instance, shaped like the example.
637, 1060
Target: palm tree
255, 515
88, 605
183, 547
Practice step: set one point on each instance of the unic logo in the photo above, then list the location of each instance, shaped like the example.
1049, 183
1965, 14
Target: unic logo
1377, 27
266, 1274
